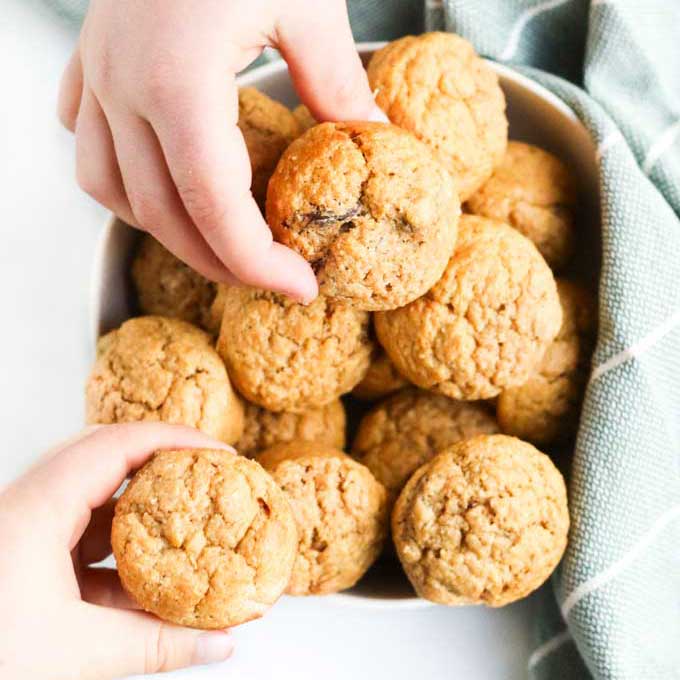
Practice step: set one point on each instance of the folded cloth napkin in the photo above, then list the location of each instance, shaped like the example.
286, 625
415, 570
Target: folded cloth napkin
613, 610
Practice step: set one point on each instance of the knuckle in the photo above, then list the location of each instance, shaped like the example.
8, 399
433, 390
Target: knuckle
203, 206
156, 653
162, 84
348, 92
146, 210
94, 185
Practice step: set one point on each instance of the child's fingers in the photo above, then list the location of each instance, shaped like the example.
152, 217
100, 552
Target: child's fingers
209, 164
102, 587
316, 41
84, 476
70, 92
153, 198
138, 643
96, 164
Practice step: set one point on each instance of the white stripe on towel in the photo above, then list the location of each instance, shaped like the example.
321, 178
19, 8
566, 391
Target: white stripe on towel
612, 571
548, 647
663, 142
522, 21
637, 349
612, 138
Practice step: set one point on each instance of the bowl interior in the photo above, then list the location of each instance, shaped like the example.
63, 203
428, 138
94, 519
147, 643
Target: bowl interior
535, 116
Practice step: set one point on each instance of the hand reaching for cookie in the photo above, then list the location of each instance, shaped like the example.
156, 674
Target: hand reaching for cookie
151, 96
55, 522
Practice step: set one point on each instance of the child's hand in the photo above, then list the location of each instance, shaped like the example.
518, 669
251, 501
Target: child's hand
151, 95
61, 618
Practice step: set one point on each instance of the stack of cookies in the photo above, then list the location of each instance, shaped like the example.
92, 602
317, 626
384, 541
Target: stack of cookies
440, 321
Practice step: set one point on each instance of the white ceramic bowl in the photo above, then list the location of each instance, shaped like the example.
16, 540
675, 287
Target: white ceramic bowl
535, 115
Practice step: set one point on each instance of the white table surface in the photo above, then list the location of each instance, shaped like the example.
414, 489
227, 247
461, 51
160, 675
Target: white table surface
48, 232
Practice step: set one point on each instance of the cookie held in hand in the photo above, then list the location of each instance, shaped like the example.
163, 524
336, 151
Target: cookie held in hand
369, 207
203, 538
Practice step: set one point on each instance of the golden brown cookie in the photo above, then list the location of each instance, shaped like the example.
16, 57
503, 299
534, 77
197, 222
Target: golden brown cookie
304, 118
324, 425
437, 87
369, 207
285, 356
158, 369
409, 428
167, 287
340, 512
484, 522
381, 379
533, 191
203, 538
484, 326
545, 409
268, 127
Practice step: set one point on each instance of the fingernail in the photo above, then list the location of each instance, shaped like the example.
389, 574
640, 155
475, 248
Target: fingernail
377, 115
212, 648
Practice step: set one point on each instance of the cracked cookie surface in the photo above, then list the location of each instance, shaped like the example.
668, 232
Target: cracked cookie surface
369, 207
268, 127
167, 287
157, 369
534, 192
409, 428
285, 356
203, 538
484, 522
437, 87
263, 429
340, 511
484, 326
546, 408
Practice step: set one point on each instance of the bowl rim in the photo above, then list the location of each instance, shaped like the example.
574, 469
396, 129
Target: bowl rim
346, 598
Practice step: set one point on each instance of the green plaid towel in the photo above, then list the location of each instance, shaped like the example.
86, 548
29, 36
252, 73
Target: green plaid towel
613, 610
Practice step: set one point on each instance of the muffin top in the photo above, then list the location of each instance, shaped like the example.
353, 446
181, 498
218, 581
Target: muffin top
340, 512
285, 356
485, 325
545, 409
263, 428
437, 87
157, 369
484, 522
268, 127
203, 538
409, 428
533, 191
369, 207
167, 287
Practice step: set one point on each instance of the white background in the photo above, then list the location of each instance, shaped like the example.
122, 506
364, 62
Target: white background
48, 232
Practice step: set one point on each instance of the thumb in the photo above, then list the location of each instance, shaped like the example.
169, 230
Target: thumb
120, 642
316, 41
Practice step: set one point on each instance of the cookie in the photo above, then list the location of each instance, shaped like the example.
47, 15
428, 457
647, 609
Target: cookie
268, 127
409, 428
545, 410
203, 538
484, 522
340, 512
437, 87
158, 369
485, 325
381, 379
324, 425
369, 207
285, 356
304, 118
534, 192
167, 287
